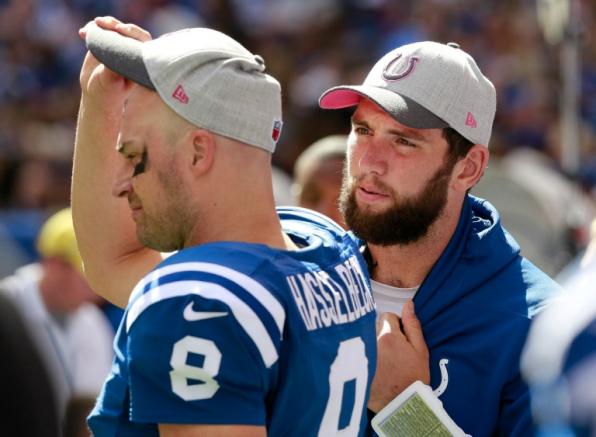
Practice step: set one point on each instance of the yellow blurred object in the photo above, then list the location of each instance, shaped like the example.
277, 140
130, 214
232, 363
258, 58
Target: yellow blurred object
57, 239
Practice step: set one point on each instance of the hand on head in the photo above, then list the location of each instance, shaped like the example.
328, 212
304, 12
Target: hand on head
402, 357
96, 80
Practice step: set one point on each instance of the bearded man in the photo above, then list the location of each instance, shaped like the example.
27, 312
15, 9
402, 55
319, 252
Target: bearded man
418, 144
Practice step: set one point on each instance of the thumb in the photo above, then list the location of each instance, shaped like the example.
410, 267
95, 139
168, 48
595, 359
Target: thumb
388, 323
412, 327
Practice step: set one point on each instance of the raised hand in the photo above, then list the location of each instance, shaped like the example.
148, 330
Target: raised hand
103, 224
98, 82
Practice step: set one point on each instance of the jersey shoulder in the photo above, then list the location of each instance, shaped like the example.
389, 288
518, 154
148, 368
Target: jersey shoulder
227, 260
197, 334
210, 279
301, 219
312, 230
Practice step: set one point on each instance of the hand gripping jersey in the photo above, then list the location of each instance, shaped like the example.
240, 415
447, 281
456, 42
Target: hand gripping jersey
238, 333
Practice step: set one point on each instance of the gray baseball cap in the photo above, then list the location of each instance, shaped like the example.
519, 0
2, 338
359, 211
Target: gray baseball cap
426, 85
205, 76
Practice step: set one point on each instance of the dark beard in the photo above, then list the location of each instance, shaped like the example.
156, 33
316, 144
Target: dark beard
406, 221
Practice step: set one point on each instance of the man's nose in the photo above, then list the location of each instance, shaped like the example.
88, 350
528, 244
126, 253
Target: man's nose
373, 157
123, 185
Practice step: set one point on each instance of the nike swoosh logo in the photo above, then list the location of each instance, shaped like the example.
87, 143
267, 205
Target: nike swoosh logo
191, 315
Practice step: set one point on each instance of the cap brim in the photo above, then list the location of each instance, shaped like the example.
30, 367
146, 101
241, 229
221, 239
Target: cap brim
119, 53
402, 108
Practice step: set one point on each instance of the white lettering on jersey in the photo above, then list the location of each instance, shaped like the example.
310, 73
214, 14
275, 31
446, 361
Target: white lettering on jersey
322, 301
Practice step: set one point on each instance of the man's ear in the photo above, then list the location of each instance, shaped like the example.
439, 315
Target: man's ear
202, 151
469, 170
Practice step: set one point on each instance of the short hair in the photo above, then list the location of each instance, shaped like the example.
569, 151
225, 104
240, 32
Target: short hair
458, 145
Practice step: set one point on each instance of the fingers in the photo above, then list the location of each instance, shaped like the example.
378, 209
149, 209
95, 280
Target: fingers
388, 323
107, 22
110, 23
133, 31
126, 29
83, 30
412, 327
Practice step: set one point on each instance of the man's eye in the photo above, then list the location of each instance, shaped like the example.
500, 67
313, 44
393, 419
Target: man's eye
405, 142
141, 165
360, 130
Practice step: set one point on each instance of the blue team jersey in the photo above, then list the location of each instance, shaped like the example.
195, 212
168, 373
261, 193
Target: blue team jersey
238, 333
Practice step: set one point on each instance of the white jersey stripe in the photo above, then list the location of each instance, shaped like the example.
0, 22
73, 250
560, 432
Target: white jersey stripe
246, 317
264, 296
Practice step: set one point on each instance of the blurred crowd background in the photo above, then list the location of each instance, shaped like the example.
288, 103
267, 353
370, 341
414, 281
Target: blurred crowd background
542, 173
311, 45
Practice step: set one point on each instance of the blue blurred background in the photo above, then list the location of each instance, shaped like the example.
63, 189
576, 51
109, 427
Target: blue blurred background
542, 173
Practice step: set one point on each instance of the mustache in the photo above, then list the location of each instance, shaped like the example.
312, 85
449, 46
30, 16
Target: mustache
133, 201
371, 181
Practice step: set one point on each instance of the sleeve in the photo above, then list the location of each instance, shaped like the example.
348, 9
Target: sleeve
198, 360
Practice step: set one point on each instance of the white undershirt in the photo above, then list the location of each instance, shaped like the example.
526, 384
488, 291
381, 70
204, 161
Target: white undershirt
391, 299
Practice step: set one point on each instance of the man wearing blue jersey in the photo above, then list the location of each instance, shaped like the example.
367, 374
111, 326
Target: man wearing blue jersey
258, 324
419, 142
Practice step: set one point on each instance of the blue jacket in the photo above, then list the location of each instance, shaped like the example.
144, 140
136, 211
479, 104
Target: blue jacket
475, 307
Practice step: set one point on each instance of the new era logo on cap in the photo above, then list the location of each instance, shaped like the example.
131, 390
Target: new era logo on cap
471, 121
180, 95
